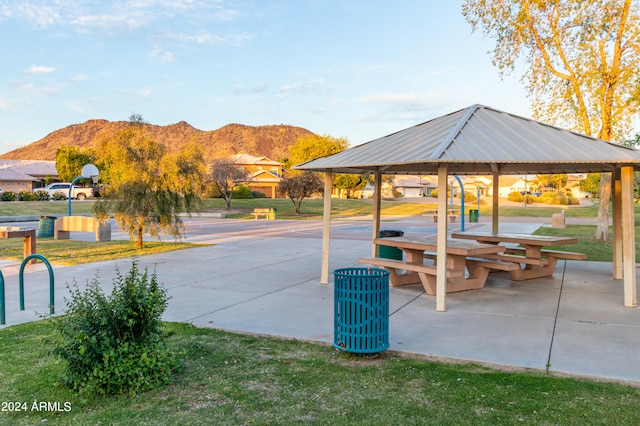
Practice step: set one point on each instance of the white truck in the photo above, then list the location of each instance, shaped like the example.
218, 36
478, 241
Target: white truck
78, 192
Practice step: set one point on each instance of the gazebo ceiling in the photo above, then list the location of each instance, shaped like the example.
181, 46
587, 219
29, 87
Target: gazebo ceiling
480, 140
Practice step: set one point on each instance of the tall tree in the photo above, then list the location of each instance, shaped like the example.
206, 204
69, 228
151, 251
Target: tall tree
71, 159
310, 147
147, 188
298, 186
582, 63
225, 176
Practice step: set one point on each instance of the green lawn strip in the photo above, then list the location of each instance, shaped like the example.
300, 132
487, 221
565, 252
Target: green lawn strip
600, 251
236, 379
43, 208
73, 252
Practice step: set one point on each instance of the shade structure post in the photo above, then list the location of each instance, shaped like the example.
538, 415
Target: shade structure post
617, 224
495, 202
628, 239
377, 197
441, 252
326, 228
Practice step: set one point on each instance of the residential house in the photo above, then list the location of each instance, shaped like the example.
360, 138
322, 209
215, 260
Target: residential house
264, 174
19, 175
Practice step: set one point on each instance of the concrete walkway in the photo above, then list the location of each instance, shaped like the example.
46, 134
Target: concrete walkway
265, 280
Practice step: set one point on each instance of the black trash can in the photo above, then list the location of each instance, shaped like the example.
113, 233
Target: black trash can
361, 310
46, 226
473, 215
390, 252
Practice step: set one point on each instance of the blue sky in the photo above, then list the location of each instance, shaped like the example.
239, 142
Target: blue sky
358, 69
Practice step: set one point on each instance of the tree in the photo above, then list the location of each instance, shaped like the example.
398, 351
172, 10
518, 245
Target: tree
350, 182
71, 159
299, 186
310, 147
583, 63
147, 188
225, 176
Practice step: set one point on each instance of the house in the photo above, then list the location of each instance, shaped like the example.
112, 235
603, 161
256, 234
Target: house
264, 174
19, 175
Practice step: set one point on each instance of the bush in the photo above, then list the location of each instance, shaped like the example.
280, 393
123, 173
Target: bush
8, 196
258, 194
25, 195
469, 197
242, 192
515, 196
115, 344
59, 195
42, 195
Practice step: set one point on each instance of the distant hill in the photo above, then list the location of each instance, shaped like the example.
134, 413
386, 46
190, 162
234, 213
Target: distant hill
271, 141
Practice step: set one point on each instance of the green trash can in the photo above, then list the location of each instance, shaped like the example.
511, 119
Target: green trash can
390, 252
361, 310
473, 215
273, 214
46, 226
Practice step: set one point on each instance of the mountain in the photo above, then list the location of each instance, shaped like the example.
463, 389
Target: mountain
271, 141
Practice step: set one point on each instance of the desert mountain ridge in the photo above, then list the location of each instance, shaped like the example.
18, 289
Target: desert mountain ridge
271, 141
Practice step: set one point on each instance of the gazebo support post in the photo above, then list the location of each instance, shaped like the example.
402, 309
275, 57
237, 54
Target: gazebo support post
617, 224
377, 197
496, 193
628, 239
326, 229
441, 253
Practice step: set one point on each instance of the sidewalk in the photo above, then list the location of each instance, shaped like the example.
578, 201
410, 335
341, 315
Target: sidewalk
571, 324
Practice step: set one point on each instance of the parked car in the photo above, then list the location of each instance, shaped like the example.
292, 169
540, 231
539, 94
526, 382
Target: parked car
79, 192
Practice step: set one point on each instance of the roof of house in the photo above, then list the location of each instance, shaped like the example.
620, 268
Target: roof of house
246, 159
480, 140
34, 168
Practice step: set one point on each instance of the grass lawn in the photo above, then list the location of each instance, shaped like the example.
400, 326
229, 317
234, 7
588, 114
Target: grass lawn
600, 251
233, 379
73, 252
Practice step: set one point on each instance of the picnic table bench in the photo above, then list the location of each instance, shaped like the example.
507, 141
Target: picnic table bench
262, 212
452, 215
413, 270
536, 262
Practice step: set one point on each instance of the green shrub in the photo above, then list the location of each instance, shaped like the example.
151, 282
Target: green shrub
59, 195
258, 194
115, 344
242, 192
25, 195
42, 195
8, 196
515, 196
469, 197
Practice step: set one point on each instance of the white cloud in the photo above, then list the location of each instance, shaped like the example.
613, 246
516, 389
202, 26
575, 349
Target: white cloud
39, 69
304, 87
205, 38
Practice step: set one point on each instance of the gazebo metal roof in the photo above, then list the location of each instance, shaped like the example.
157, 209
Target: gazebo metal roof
480, 140
483, 140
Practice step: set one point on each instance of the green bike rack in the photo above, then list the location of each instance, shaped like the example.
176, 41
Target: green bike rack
21, 281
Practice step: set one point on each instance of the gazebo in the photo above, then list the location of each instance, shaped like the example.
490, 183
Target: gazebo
482, 140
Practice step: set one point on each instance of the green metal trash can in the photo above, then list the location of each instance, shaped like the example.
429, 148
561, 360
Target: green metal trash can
390, 252
46, 226
273, 214
361, 310
473, 215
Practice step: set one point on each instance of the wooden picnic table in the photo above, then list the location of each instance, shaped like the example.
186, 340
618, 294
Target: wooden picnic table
452, 215
28, 235
416, 271
536, 261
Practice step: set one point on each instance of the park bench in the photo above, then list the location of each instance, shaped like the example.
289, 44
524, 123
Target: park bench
64, 225
261, 212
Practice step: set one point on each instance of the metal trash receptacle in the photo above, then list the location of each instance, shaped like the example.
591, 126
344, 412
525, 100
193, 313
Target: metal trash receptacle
361, 310
473, 215
46, 226
273, 214
390, 252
